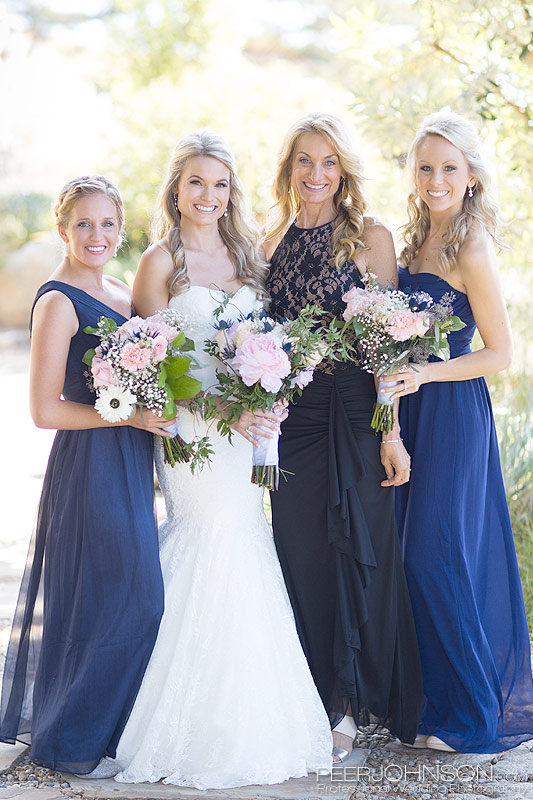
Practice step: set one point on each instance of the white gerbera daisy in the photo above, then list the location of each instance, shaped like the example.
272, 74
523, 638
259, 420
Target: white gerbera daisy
115, 404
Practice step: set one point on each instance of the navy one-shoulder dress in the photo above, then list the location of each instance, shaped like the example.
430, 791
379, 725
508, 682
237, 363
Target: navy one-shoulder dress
92, 594
460, 559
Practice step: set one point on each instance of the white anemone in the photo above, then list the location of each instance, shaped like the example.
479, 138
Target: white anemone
115, 404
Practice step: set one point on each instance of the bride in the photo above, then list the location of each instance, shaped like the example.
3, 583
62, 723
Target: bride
227, 699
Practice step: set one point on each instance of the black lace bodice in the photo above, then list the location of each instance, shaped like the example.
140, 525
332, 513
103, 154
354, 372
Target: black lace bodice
301, 271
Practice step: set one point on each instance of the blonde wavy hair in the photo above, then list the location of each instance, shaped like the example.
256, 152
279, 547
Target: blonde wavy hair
238, 229
481, 208
349, 200
83, 186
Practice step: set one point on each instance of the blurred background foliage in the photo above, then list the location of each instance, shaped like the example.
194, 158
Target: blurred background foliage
112, 88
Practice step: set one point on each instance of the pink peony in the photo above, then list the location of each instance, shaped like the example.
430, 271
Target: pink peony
134, 357
357, 300
102, 373
159, 345
403, 324
261, 359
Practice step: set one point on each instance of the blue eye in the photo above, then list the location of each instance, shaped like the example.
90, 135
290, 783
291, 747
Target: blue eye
425, 168
83, 224
330, 163
108, 224
304, 160
450, 168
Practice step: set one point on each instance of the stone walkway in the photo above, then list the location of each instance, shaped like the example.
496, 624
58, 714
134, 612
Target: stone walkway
380, 769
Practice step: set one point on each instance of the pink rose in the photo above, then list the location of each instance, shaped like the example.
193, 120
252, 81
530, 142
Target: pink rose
261, 359
102, 373
159, 345
134, 357
404, 324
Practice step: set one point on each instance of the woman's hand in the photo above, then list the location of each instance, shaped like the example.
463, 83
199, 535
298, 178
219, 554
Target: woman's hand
252, 425
408, 380
396, 461
146, 420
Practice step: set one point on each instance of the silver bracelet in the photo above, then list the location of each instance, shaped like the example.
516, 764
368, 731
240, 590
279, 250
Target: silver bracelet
389, 441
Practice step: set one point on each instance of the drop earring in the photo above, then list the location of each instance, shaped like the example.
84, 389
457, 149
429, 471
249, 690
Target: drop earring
175, 196
225, 214
470, 191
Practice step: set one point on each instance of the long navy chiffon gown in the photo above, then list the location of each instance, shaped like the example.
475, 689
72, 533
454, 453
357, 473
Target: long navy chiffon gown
334, 524
460, 559
92, 594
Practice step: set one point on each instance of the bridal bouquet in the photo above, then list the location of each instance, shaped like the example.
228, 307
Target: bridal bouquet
266, 364
143, 363
394, 329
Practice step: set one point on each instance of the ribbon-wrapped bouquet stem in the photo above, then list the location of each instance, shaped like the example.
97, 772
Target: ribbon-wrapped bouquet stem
390, 329
146, 363
267, 363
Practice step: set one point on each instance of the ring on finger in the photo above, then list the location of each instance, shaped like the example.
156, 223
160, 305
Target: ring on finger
249, 430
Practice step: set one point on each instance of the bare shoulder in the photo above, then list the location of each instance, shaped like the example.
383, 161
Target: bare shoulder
375, 232
157, 261
477, 255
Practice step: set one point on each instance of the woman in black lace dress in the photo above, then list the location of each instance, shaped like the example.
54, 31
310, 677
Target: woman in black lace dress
333, 519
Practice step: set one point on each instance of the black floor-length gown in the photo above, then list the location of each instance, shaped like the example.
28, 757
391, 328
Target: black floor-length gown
334, 523
92, 593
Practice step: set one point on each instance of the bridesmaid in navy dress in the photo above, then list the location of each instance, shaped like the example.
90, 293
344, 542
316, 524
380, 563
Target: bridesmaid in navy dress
454, 523
92, 594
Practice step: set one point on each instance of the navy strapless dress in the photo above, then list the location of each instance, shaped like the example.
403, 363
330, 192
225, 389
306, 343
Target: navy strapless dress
92, 593
460, 559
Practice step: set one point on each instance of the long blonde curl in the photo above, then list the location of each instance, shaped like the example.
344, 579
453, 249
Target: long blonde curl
480, 209
238, 229
349, 200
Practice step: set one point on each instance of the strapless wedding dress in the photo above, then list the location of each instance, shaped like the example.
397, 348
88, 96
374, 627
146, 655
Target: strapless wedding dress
227, 699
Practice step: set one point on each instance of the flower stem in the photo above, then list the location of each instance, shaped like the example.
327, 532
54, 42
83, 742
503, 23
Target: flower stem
266, 476
176, 451
383, 417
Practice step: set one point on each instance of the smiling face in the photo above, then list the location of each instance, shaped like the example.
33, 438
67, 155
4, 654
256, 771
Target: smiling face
316, 169
93, 230
442, 175
203, 190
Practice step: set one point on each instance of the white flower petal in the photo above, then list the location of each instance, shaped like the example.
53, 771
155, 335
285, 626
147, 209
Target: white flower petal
115, 404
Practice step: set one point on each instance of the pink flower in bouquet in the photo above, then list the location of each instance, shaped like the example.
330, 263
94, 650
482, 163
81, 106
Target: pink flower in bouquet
303, 378
134, 357
261, 359
403, 324
132, 325
159, 345
357, 300
102, 373
156, 325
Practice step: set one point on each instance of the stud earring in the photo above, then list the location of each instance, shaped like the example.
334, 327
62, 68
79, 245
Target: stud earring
175, 196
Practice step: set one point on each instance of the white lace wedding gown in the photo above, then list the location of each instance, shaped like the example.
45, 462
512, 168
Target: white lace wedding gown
227, 699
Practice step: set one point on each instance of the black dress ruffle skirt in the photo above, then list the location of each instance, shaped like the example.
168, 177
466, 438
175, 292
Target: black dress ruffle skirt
337, 542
